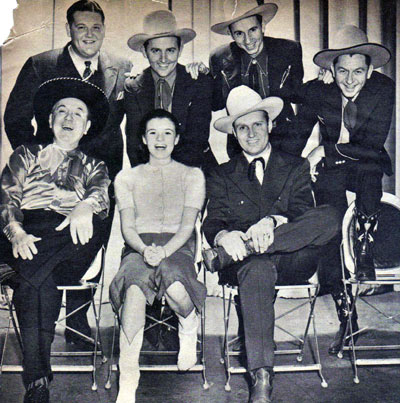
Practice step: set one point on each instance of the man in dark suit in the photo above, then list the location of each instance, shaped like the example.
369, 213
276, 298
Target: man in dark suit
261, 201
166, 84
80, 58
354, 115
270, 66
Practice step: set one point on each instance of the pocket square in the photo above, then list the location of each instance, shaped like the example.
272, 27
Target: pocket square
321, 119
120, 96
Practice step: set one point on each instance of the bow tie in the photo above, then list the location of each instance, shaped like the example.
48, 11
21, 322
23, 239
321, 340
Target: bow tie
252, 167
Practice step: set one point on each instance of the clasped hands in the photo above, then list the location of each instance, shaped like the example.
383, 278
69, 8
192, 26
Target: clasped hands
80, 222
153, 255
260, 234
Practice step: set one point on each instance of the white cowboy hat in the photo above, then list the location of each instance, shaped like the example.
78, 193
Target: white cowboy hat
239, 10
352, 40
159, 24
243, 100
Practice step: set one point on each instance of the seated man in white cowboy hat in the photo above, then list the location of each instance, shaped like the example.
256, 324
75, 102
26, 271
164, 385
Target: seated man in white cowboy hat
262, 219
54, 200
270, 66
166, 84
354, 115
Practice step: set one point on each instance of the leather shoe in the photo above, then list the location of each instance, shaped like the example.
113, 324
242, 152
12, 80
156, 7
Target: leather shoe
37, 394
261, 385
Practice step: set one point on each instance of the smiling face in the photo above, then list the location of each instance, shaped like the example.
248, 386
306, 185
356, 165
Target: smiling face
351, 72
252, 133
162, 54
160, 138
248, 35
69, 120
86, 32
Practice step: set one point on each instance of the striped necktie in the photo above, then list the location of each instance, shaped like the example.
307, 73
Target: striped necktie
87, 72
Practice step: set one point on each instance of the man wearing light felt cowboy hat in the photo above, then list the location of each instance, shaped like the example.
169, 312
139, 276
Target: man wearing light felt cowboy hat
354, 115
270, 66
261, 218
166, 84
54, 201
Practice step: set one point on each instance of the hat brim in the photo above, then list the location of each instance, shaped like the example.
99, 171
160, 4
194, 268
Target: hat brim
53, 90
136, 42
267, 11
379, 54
272, 105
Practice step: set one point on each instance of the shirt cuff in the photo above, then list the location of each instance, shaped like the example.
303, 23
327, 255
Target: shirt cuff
11, 229
280, 219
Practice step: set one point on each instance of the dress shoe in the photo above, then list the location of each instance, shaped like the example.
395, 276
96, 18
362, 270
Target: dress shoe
37, 394
261, 385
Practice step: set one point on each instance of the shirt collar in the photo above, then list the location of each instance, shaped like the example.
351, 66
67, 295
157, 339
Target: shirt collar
260, 60
265, 154
170, 78
79, 62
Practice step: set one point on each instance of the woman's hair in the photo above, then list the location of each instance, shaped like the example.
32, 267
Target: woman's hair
158, 114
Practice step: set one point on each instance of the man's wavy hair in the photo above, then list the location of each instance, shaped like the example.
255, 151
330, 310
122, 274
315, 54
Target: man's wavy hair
84, 5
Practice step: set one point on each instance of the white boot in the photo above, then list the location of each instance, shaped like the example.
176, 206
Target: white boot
187, 356
129, 373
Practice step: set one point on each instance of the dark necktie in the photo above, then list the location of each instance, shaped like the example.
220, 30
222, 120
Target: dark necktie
163, 94
254, 82
87, 72
252, 168
350, 115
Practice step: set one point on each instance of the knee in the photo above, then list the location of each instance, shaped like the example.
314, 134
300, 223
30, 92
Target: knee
258, 269
177, 291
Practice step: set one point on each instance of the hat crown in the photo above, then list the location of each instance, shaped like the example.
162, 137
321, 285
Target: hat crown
159, 22
241, 99
348, 37
236, 8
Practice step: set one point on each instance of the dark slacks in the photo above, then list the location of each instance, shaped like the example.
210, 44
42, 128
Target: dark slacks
291, 259
365, 179
36, 298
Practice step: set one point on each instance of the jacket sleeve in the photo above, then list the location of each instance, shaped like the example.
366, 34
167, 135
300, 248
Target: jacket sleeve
19, 109
218, 101
300, 198
217, 207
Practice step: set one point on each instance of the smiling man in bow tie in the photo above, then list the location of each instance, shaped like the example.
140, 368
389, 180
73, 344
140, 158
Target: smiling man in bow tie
262, 220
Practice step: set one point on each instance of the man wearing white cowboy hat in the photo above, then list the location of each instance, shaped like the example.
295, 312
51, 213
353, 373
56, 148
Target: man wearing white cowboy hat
262, 220
166, 84
54, 201
270, 66
354, 115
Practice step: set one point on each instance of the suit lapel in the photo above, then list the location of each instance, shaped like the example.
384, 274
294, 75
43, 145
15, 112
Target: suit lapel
109, 71
65, 66
181, 96
145, 91
365, 102
275, 177
238, 175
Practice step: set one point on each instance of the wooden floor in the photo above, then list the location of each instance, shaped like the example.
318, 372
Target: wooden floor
377, 384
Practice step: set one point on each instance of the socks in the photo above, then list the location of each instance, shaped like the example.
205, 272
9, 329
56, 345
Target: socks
187, 356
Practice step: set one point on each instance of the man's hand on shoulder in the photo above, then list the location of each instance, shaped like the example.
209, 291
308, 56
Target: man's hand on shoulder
326, 76
262, 234
195, 68
233, 243
23, 245
80, 222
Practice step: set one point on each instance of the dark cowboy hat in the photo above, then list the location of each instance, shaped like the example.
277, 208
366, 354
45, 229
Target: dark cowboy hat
239, 11
352, 40
159, 24
53, 90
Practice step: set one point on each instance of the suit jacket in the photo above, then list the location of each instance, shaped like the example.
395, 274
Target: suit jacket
191, 105
323, 103
285, 76
108, 146
235, 203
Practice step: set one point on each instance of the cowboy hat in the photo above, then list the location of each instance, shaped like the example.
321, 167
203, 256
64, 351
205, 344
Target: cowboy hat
159, 24
243, 100
351, 40
53, 90
267, 11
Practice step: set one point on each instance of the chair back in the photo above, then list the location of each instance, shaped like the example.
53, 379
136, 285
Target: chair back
386, 239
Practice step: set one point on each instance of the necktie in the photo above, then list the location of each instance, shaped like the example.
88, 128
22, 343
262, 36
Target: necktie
350, 115
256, 168
87, 72
163, 94
253, 77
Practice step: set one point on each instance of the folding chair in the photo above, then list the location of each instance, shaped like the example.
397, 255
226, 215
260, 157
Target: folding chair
312, 289
165, 320
92, 280
387, 270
